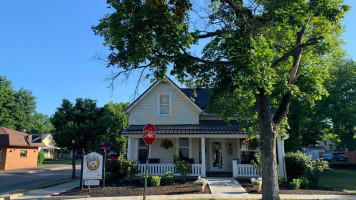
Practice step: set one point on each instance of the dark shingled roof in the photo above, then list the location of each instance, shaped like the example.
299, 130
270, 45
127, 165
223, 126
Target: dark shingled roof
204, 127
9, 137
201, 98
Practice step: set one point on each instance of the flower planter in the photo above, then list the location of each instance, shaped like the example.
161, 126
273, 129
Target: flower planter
257, 187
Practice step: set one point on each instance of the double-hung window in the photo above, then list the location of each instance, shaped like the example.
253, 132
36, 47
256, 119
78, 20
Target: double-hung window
142, 151
164, 104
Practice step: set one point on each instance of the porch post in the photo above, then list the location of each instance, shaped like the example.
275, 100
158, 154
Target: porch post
203, 165
238, 149
129, 148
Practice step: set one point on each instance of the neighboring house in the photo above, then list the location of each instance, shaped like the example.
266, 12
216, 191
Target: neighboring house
211, 145
328, 144
51, 150
313, 151
17, 150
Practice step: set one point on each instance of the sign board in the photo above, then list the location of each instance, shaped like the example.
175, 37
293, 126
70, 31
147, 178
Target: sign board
36, 138
93, 166
91, 182
149, 134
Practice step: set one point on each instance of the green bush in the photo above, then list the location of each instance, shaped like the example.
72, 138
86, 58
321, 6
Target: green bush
304, 182
168, 178
182, 166
280, 180
155, 180
299, 164
342, 165
142, 179
108, 177
40, 158
295, 184
121, 168
200, 182
256, 163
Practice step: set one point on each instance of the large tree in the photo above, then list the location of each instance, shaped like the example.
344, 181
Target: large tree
16, 107
252, 54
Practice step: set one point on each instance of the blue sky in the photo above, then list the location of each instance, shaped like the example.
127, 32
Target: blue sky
48, 47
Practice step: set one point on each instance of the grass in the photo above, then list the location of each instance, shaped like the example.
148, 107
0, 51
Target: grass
343, 180
60, 162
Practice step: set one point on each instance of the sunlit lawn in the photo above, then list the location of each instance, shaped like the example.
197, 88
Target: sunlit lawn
343, 180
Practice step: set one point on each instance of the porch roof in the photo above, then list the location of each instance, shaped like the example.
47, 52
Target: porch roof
204, 127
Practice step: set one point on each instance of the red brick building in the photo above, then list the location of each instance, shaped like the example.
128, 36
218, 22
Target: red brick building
17, 150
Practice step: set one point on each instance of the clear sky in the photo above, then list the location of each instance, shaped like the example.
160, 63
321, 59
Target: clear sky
47, 46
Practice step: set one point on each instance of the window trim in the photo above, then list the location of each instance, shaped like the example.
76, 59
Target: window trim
159, 103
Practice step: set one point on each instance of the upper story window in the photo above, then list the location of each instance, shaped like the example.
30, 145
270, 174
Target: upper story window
164, 104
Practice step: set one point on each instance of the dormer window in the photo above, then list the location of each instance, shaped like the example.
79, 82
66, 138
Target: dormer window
164, 106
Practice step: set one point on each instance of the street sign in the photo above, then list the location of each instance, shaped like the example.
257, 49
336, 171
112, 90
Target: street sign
105, 146
149, 134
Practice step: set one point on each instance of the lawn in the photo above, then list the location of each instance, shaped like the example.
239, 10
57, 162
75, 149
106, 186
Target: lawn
343, 180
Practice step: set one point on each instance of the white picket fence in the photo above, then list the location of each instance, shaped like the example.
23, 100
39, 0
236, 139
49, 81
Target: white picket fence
160, 169
243, 170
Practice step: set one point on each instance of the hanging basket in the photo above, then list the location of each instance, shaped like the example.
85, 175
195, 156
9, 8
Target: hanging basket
166, 144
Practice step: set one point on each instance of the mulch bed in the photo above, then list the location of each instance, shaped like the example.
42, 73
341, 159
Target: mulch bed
135, 188
285, 188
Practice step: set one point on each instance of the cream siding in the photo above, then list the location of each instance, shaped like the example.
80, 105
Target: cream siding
196, 150
183, 111
233, 156
165, 155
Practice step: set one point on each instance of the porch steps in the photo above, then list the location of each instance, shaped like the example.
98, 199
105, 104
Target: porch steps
226, 188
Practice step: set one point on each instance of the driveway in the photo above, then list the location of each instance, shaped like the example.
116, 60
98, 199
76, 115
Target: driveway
12, 180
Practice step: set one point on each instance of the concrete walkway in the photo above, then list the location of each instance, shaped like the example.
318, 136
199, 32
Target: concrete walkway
226, 188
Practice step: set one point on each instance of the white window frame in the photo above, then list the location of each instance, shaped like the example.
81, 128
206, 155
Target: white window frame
190, 155
159, 103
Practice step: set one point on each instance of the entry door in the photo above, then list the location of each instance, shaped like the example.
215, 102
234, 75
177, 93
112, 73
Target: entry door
217, 155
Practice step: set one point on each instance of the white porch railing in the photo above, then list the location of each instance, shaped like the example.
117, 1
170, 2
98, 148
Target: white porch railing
243, 170
160, 169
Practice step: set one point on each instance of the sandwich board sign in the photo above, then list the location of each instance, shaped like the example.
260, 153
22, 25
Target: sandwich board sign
92, 167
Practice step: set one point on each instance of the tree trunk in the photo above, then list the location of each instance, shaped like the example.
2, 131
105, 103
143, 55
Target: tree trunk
268, 134
73, 164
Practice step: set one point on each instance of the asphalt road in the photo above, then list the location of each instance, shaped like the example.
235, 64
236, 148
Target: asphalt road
13, 180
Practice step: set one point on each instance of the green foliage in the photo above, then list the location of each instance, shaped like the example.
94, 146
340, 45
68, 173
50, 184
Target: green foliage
200, 182
155, 180
295, 184
166, 144
342, 165
142, 179
40, 123
40, 158
109, 177
256, 163
280, 180
168, 178
299, 164
182, 166
121, 168
304, 182
256, 181
16, 107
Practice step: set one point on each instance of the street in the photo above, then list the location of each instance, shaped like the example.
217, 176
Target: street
12, 180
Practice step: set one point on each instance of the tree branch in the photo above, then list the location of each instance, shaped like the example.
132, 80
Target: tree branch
210, 34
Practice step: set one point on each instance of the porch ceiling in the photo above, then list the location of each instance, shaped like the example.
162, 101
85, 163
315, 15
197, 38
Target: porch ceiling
205, 127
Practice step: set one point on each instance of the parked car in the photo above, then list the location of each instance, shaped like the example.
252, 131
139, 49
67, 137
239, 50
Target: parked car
334, 157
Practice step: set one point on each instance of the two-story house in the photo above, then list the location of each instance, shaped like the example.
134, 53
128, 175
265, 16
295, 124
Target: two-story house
211, 145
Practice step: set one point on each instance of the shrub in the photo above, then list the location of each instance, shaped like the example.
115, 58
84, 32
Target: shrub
168, 178
108, 177
142, 179
40, 158
121, 168
182, 166
256, 162
280, 180
200, 182
256, 181
304, 182
155, 180
295, 184
299, 164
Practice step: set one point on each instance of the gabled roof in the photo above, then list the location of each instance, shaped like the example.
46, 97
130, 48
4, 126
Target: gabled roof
9, 137
153, 86
201, 96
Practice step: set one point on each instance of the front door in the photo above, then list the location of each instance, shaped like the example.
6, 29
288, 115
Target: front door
217, 155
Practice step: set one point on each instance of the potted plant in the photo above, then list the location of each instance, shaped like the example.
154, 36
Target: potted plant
256, 182
201, 183
166, 144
